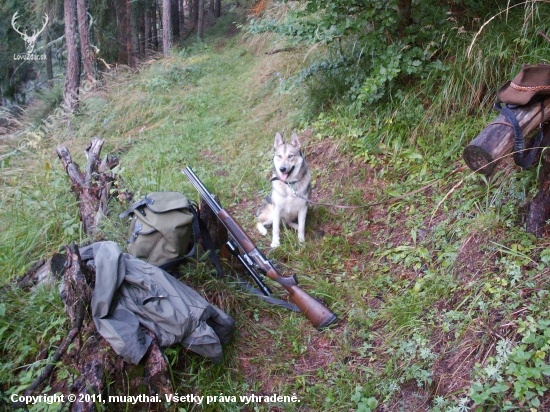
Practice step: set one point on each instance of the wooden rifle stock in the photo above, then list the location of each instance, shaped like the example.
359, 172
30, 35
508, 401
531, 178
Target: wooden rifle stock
318, 314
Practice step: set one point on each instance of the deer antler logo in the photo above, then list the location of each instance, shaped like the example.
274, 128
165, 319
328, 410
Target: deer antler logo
29, 40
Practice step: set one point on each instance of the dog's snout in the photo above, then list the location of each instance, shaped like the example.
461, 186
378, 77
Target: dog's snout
282, 169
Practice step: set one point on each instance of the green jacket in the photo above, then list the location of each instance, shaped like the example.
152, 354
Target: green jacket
130, 293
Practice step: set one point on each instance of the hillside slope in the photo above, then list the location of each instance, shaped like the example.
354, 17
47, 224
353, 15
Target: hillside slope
442, 297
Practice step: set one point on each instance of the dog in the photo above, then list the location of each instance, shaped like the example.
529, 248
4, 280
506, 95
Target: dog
290, 191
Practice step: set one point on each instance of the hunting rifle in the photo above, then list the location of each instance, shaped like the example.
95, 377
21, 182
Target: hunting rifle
252, 259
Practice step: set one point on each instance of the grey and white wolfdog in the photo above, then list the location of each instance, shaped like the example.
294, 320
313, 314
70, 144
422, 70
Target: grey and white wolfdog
289, 193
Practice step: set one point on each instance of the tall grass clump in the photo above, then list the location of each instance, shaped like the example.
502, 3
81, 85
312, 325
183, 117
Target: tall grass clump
38, 215
483, 59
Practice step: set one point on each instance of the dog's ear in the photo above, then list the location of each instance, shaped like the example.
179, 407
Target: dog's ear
294, 141
278, 140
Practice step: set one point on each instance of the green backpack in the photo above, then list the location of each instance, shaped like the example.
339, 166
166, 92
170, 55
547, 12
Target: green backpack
161, 229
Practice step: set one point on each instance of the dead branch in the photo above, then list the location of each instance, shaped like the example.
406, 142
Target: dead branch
283, 49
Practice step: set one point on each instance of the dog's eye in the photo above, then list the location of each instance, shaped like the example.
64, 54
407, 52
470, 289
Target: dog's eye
279, 156
290, 156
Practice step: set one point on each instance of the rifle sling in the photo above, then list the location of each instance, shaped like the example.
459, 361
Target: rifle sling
520, 159
270, 299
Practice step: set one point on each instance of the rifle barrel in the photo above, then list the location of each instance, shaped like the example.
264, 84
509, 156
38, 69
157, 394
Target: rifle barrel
195, 181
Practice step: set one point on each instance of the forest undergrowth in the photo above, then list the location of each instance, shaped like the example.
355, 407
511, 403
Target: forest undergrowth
442, 296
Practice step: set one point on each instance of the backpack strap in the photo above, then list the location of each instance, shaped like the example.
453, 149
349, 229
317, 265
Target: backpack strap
135, 233
144, 201
520, 159
207, 242
198, 227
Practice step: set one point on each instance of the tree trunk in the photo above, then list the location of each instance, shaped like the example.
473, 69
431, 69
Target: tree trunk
49, 61
128, 31
141, 33
193, 14
186, 10
120, 16
154, 30
218, 8
196, 5
132, 45
84, 32
72, 82
174, 14
166, 27
181, 17
200, 23
134, 30
212, 6
147, 30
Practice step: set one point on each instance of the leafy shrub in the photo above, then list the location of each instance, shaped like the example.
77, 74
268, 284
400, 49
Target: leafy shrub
371, 51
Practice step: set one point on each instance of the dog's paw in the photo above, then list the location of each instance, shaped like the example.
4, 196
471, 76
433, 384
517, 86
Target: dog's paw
275, 244
261, 229
301, 239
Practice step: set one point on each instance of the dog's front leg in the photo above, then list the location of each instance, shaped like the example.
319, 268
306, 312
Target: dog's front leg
276, 227
302, 224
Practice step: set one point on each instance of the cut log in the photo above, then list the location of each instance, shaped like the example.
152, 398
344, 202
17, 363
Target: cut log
43, 272
497, 139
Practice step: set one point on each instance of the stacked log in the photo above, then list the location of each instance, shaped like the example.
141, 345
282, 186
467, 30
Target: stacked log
497, 139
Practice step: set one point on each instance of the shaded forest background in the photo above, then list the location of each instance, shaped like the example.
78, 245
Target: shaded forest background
82, 38
366, 51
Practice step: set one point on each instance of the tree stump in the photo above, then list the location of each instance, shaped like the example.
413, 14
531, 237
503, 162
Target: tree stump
93, 188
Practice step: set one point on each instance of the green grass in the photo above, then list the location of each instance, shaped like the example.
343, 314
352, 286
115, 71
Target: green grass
426, 306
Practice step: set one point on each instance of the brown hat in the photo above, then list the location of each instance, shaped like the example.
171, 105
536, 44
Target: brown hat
532, 80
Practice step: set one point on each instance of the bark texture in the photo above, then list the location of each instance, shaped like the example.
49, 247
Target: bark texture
92, 187
166, 27
72, 81
84, 33
200, 23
